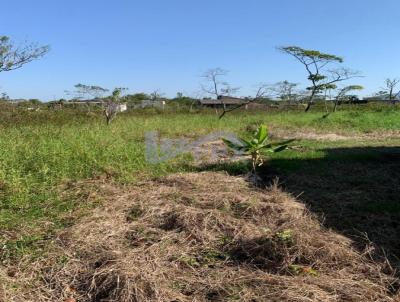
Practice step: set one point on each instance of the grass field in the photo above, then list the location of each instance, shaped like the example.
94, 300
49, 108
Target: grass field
345, 167
40, 151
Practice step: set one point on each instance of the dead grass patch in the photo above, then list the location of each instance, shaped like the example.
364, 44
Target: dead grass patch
201, 237
311, 134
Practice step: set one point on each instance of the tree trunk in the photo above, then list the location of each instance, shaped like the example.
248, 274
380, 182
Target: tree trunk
335, 106
310, 101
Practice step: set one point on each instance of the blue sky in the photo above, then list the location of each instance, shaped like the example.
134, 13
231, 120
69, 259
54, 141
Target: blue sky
167, 45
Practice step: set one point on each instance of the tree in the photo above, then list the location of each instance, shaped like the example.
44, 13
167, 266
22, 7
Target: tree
390, 87
113, 104
285, 91
13, 57
261, 93
315, 63
216, 86
343, 92
89, 91
135, 98
4, 97
35, 102
156, 95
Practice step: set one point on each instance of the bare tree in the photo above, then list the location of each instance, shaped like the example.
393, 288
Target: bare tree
113, 104
213, 77
13, 57
285, 91
390, 89
262, 91
111, 111
215, 86
156, 95
315, 63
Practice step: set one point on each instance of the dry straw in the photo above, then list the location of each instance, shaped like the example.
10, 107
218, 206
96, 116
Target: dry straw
203, 237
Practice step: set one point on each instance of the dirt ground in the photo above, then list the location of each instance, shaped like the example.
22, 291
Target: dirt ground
312, 135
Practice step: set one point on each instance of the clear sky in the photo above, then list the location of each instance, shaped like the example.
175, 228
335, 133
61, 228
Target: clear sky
167, 44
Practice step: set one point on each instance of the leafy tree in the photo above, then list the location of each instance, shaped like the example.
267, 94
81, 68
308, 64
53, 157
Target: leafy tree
135, 98
4, 97
117, 94
89, 91
35, 102
343, 92
13, 57
256, 144
285, 91
315, 63
182, 100
113, 104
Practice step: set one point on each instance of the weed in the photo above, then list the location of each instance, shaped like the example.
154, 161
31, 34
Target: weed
257, 143
286, 236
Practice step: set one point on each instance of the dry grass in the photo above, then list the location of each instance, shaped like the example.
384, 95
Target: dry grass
310, 134
200, 237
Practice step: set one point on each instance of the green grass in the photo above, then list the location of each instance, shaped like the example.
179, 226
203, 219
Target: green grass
39, 151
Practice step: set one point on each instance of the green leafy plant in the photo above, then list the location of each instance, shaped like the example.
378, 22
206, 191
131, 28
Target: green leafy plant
285, 236
296, 269
258, 143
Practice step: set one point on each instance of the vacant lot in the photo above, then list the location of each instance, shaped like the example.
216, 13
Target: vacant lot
345, 168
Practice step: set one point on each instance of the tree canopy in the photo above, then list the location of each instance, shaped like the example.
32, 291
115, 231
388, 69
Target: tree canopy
13, 57
315, 62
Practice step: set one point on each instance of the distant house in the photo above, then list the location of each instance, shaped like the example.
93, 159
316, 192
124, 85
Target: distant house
95, 101
384, 98
352, 99
149, 104
16, 101
122, 107
223, 102
89, 101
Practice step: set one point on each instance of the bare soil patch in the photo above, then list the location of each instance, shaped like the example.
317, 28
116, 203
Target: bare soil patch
332, 136
200, 237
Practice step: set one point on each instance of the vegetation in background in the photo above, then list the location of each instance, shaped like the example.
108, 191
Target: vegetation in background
112, 104
342, 94
315, 63
389, 91
87, 91
54, 156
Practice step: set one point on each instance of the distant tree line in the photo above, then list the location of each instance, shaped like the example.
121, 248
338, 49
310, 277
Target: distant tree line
323, 71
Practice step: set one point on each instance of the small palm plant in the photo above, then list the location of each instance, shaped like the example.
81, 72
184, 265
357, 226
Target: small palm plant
258, 143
